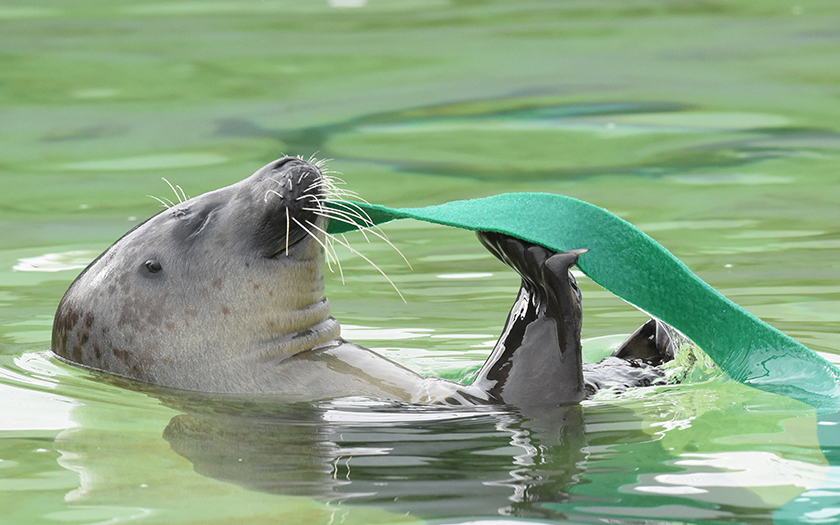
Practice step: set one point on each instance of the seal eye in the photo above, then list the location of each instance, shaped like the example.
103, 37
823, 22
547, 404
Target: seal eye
153, 266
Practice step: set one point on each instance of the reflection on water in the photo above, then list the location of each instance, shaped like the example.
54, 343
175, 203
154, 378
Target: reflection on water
427, 461
554, 463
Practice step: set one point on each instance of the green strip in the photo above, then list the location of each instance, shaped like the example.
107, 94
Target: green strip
628, 263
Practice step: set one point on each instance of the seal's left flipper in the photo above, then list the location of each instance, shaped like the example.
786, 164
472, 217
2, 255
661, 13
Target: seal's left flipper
651, 343
635, 362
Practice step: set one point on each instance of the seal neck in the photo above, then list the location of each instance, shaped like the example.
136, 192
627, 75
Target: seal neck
289, 344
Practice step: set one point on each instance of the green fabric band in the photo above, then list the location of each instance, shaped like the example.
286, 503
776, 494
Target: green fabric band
628, 263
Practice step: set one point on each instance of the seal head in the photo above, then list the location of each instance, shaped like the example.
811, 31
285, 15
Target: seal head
195, 295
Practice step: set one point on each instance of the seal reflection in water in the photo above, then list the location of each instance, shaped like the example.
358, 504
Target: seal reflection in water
224, 293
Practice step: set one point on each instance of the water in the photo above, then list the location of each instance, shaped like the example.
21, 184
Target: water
712, 126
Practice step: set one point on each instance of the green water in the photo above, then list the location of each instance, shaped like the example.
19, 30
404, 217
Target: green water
713, 126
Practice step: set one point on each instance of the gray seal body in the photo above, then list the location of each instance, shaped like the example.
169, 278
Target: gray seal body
224, 293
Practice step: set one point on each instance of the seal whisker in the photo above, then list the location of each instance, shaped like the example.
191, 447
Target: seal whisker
314, 161
165, 205
345, 210
287, 232
318, 163
340, 216
357, 252
331, 177
342, 194
347, 214
309, 160
265, 196
327, 258
332, 181
180, 200
331, 246
332, 214
329, 186
349, 218
335, 191
352, 212
322, 243
317, 185
328, 180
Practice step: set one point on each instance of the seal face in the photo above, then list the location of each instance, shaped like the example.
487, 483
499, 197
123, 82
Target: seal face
224, 293
195, 296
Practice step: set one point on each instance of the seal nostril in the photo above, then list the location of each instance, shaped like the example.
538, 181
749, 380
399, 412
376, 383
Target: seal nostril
282, 162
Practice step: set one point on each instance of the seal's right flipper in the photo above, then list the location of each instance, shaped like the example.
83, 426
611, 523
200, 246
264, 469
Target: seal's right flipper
537, 360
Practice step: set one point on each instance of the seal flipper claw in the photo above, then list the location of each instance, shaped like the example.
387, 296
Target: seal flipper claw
537, 360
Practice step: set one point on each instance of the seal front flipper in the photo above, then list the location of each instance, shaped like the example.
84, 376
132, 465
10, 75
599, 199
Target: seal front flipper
635, 362
537, 360
651, 343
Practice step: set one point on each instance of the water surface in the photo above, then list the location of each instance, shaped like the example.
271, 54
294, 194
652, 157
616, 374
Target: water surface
712, 126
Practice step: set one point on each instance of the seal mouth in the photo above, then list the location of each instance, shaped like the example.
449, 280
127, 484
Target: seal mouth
296, 235
294, 194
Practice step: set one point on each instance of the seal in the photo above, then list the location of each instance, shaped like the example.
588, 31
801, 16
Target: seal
224, 293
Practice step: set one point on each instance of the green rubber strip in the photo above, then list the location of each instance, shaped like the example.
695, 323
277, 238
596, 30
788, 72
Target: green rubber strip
628, 263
